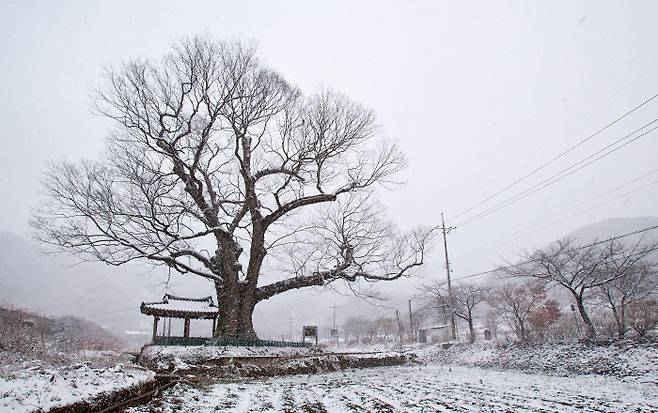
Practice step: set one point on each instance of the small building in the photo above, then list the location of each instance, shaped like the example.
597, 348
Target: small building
184, 308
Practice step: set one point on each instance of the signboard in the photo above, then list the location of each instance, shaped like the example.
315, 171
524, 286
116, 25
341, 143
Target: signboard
310, 331
334, 332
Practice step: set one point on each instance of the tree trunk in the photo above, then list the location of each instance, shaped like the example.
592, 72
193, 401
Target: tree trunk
589, 327
518, 326
621, 320
236, 308
236, 300
246, 313
471, 330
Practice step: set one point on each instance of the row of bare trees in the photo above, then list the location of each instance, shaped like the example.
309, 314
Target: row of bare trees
364, 330
385, 328
613, 274
608, 279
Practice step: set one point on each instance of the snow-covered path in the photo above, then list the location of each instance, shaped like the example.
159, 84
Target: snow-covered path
429, 388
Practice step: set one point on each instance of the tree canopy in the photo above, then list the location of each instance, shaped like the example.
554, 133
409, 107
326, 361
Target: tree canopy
215, 161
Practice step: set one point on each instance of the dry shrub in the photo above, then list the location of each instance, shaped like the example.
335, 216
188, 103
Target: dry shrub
643, 316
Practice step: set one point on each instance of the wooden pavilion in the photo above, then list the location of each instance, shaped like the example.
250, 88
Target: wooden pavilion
186, 308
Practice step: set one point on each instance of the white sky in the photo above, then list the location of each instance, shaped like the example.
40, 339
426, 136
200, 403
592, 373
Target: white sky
476, 95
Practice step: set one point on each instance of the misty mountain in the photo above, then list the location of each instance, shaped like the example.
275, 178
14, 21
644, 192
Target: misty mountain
60, 285
616, 226
55, 285
606, 229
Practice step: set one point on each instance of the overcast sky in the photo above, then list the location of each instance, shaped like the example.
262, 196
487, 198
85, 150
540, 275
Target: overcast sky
477, 96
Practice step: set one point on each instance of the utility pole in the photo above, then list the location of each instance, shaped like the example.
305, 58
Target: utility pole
453, 326
334, 331
397, 315
290, 320
411, 320
334, 308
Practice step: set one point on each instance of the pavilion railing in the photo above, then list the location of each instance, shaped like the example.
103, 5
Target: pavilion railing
224, 341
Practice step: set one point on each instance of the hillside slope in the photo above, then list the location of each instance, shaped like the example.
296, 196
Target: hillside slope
59, 286
617, 226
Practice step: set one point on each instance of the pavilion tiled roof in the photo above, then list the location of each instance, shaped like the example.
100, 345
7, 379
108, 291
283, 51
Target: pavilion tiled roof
181, 307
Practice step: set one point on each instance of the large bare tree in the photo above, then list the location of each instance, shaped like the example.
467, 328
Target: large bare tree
215, 162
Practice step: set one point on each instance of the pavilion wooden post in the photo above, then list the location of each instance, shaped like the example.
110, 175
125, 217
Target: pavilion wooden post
186, 328
175, 307
214, 325
155, 326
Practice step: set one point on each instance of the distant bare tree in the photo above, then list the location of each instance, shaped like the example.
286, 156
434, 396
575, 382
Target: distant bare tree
358, 327
215, 163
432, 296
516, 303
421, 316
633, 277
387, 326
465, 297
579, 270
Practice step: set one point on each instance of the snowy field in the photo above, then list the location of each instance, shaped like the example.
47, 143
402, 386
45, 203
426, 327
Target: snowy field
201, 353
181, 358
626, 360
428, 388
41, 388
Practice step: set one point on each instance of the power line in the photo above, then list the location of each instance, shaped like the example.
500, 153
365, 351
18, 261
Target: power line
505, 239
575, 249
562, 174
588, 209
557, 157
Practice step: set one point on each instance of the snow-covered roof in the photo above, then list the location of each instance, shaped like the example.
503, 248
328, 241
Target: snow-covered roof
181, 307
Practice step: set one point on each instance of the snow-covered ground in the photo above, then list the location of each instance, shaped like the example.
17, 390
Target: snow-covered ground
40, 388
426, 388
554, 378
181, 358
234, 362
191, 354
624, 360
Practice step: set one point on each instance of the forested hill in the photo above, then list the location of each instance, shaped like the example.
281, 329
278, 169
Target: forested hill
23, 331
